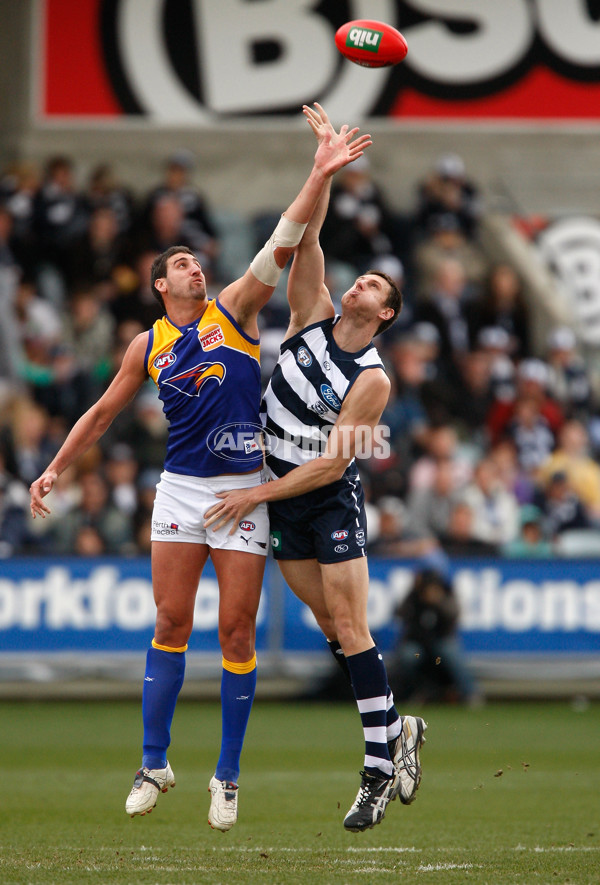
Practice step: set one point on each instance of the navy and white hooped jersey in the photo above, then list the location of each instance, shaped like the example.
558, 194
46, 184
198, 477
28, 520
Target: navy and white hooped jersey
305, 395
208, 377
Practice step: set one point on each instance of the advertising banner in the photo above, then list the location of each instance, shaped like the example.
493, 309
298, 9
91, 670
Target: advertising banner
545, 607
202, 62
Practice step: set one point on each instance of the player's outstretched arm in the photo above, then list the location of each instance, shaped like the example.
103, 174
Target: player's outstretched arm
93, 423
244, 298
360, 414
308, 296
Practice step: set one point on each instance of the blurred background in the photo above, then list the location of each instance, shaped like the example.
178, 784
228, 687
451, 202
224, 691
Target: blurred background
132, 125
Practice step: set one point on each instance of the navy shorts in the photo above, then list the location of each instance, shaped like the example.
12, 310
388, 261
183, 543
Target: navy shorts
328, 524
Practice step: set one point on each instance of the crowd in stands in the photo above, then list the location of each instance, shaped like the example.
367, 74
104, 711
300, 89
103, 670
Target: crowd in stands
493, 449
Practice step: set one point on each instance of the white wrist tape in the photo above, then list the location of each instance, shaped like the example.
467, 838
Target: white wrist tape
287, 234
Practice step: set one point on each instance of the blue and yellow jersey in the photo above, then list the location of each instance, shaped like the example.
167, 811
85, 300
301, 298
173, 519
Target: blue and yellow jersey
208, 377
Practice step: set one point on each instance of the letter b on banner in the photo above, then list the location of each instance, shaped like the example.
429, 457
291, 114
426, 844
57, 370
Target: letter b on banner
236, 81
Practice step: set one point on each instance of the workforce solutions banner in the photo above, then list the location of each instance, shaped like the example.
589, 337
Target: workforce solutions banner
200, 62
52, 605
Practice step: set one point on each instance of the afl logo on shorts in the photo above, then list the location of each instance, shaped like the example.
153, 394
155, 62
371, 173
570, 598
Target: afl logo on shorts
164, 359
304, 357
339, 535
341, 548
211, 337
330, 397
247, 526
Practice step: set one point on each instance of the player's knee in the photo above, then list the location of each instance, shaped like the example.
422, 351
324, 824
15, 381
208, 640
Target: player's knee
172, 628
237, 640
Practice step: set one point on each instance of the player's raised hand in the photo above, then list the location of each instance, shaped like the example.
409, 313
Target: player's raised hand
38, 490
334, 150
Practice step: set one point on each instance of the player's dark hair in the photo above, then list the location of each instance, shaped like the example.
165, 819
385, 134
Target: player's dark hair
394, 300
159, 268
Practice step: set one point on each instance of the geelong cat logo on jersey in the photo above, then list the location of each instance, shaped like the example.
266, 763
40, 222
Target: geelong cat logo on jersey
330, 397
164, 359
191, 381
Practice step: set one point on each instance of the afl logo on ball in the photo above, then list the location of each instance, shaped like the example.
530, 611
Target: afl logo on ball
164, 360
211, 337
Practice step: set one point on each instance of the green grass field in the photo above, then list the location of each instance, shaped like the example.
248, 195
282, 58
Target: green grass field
510, 794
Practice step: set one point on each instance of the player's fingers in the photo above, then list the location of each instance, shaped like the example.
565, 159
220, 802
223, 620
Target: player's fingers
321, 111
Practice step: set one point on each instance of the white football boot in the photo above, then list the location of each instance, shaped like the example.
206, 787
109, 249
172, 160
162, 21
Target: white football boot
146, 786
404, 753
223, 804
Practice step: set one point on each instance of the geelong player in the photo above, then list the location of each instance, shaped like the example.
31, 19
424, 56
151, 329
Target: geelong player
330, 387
204, 358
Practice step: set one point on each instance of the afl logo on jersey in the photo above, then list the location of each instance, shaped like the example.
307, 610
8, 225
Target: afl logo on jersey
304, 357
164, 359
211, 337
330, 397
339, 535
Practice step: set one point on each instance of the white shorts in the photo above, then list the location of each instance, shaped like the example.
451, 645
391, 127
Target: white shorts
181, 502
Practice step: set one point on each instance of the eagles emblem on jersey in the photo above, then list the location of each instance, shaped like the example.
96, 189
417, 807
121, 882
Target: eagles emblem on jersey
192, 380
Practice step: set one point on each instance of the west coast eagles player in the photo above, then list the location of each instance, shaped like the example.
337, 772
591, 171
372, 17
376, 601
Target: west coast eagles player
203, 355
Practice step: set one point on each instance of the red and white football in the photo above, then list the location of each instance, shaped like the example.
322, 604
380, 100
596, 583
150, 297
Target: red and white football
370, 43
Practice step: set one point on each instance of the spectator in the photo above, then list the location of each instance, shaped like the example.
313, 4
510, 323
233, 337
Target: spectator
98, 253
14, 523
94, 511
60, 217
89, 336
561, 507
104, 191
473, 400
18, 189
447, 190
396, 538
360, 227
568, 382
121, 469
531, 383
441, 445
572, 457
502, 304
530, 543
445, 309
430, 507
531, 434
495, 343
460, 538
134, 298
429, 662
446, 239
512, 475
495, 509
196, 227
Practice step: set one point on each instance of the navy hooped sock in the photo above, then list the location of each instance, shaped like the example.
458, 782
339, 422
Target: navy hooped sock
393, 721
238, 685
340, 658
369, 681
165, 671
